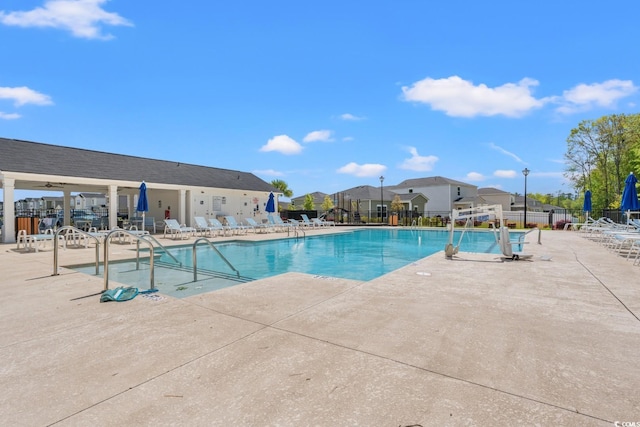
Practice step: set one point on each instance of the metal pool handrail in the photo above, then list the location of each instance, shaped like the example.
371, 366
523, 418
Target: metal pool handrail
119, 232
150, 237
75, 230
195, 257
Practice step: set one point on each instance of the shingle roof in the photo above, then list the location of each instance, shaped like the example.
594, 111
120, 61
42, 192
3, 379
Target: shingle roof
430, 181
39, 158
490, 190
366, 192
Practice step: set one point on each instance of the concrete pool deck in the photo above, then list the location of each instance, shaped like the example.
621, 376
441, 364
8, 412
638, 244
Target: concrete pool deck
469, 341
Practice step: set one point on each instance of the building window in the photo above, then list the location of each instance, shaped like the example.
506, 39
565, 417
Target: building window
458, 191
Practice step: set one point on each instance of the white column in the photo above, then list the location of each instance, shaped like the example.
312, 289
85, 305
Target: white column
9, 220
113, 206
182, 206
67, 206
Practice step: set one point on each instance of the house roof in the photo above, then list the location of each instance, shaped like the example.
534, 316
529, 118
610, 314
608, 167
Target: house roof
45, 159
408, 197
477, 200
491, 190
367, 192
429, 182
316, 195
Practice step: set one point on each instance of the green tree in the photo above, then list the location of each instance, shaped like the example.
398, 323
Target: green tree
396, 204
327, 203
309, 204
600, 154
283, 187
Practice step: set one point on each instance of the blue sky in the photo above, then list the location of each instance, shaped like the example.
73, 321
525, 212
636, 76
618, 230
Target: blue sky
323, 95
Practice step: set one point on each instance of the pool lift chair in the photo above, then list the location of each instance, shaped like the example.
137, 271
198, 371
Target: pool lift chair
470, 214
501, 233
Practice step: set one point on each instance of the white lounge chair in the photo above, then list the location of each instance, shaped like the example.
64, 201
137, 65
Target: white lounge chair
217, 225
258, 228
37, 241
323, 223
205, 229
506, 246
174, 229
307, 222
278, 223
234, 226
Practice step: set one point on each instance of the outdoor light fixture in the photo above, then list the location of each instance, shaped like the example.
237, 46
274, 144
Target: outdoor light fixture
525, 172
381, 199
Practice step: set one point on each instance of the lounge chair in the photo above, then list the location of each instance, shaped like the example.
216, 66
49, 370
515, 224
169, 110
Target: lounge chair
295, 223
217, 225
258, 228
307, 222
234, 226
35, 241
205, 229
278, 223
148, 223
174, 229
506, 246
322, 223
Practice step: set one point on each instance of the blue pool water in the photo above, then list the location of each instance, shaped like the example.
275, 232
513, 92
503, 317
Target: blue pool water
363, 254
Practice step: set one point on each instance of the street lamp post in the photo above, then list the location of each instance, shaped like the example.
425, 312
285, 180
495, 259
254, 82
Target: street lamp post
381, 200
525, 172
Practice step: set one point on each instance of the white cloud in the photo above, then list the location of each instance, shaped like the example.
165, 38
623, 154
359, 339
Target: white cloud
587, 96
417, 162
505, 173
83, 18
505, 152
319, 135
348, 138
23, 95
461, 98
475, 177
282, 144
268, 172
366, 170
9, 116
350, 117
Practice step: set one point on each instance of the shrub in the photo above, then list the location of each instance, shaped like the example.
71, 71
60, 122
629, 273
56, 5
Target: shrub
559, 225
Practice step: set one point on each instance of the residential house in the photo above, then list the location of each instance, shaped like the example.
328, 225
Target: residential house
443, 194
91, 201
297, 203
533, 205
494, 196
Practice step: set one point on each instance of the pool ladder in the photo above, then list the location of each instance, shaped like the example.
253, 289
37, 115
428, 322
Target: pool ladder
212, 246
144, 238
296, 232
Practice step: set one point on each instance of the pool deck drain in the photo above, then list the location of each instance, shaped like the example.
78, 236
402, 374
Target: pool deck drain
480, 341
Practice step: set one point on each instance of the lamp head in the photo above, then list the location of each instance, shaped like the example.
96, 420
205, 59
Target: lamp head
525, 172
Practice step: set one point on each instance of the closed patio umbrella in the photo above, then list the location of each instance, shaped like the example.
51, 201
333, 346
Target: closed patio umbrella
143, 202
630, 196
586, 207
271, 204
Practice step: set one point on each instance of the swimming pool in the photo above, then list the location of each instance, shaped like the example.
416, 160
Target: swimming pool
361, 254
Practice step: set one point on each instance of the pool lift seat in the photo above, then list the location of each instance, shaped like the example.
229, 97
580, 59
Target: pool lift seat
506, 246
470, 214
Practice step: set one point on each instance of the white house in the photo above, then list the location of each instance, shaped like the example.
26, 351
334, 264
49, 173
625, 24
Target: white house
443, 194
